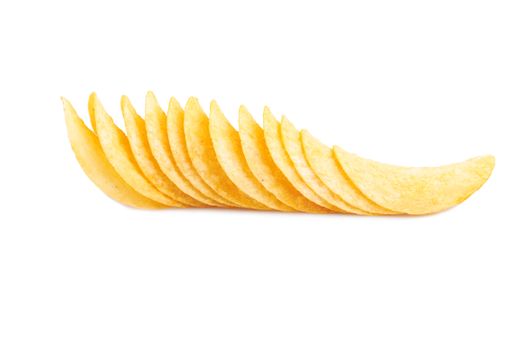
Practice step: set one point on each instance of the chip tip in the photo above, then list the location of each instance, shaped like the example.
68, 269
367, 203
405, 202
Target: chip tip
268, 117
285, 121
491, 160
66, 105
243, 110
70, 114
173, 104
244, 114
488, 159
124, 101
192, 101
307, 137
193, 106
214, 106
98, 109
150, 96
93, 99
126, 106
93, 96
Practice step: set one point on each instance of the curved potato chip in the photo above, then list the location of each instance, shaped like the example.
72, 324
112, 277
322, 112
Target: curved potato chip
177, 141
416, 191
203, 158
227, 146
118, 152
272, 136
292, 143
93, 162
322, 161
264, 169
138, 139
158, 141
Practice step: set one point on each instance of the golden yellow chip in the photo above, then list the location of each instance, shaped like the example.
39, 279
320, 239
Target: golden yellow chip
91, 158
185, 158
265, 170
292, 143
138, 139
202, 155
416, 191
321, 159
177, 140
272, 136
118, 152
227, 146
158, 141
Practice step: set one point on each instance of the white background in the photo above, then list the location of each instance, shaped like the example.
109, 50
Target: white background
406, 82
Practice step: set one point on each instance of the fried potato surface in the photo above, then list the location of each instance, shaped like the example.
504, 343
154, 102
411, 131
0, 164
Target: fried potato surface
265, 170
138, 139
177, 141
118, 152
272, 136
182, 158
156, 128
227, 146
292, 143
91, 157
416, 191
204, 159
321, 159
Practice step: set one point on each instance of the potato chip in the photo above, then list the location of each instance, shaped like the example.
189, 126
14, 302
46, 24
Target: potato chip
292, 143
202, 155
265, 170
91, 158
227, 146
272, 136
416, 191
177, 140
321, 159
185, 159
157, 133
138, 139
118, 152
